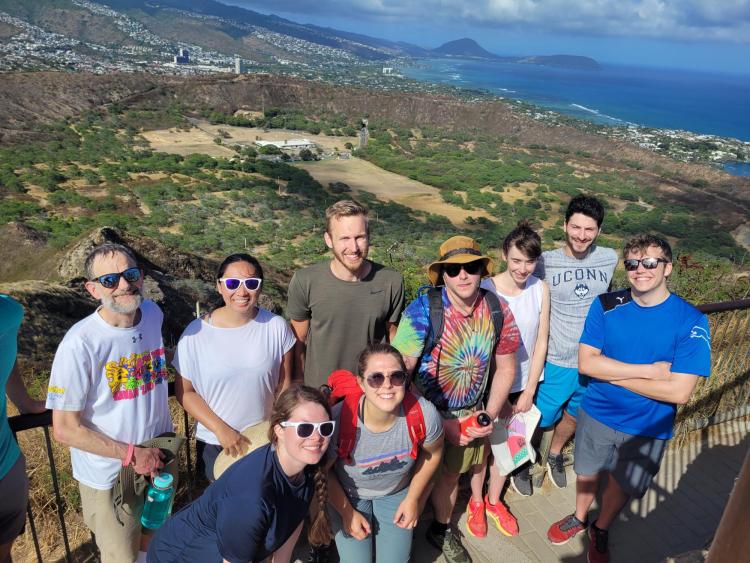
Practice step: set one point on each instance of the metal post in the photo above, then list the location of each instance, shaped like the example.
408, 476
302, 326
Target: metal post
33, 534
58, 497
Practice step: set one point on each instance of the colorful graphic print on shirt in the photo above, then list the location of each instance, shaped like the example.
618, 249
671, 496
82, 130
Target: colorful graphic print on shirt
137, 374
383, 463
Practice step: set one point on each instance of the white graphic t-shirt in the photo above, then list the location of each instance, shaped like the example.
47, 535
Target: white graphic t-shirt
117, 379
235, 370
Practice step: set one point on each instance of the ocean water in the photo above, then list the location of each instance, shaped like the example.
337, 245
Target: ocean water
737, 168
702, 102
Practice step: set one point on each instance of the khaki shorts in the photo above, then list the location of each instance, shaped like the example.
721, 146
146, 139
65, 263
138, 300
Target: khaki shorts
116, 543
459, 459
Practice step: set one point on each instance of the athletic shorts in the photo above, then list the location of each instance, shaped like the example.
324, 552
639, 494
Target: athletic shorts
559, 387
460, 459
630, 459
14, 496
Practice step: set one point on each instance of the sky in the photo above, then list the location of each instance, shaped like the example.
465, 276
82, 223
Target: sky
694, 34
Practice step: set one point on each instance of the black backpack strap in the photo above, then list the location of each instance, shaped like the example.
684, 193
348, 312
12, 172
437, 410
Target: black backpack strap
496, 309
614, 299
437, 320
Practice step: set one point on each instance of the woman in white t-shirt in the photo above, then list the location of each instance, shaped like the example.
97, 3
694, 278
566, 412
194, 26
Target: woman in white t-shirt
232, 362
529, 300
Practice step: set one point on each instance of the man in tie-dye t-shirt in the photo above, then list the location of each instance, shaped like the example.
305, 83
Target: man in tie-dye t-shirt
455, 376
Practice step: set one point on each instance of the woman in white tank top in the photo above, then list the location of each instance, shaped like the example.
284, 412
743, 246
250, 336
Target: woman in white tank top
528, 298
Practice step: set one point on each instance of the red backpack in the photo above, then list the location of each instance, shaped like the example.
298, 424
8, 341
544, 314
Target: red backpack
344, 387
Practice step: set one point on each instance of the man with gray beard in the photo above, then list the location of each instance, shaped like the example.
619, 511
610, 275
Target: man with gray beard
108, 393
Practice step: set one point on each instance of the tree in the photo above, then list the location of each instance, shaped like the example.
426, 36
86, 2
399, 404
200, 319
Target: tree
306, 154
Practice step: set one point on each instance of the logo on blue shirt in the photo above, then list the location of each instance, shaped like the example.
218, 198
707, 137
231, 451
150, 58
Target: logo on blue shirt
702, 333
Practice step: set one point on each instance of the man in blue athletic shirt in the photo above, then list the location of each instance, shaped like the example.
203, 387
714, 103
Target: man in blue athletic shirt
644, 349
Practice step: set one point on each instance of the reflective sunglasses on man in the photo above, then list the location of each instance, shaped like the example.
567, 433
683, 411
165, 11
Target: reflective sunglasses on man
305, 429
649, 263
377, 379
471, 268
109, 281
233, 284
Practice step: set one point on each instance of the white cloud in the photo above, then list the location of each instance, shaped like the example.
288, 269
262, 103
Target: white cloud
689, 20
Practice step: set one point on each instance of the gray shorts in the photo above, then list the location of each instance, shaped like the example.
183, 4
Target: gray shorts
14, 496
631, 460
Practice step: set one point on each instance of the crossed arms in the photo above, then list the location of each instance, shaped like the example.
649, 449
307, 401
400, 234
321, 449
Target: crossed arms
654, 381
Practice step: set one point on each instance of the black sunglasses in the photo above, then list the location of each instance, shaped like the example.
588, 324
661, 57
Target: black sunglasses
649, 263
305, 429
377, 379
471, 268
232, 284
109, 281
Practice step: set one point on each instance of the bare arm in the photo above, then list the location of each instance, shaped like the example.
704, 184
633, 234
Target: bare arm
285, 552
593, 363
17, 392
676, 389
539, 356
392, 328
68, 430
286, 370
353, 521
230, 439
428, 460
505, 373
300, 330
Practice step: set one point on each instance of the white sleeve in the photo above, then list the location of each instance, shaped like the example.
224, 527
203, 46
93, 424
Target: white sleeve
287, 336
184, 356
70, 378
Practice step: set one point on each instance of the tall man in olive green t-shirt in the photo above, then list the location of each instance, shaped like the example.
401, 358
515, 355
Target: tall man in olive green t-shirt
337, 307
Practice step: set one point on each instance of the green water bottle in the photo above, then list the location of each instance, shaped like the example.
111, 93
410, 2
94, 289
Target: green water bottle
158, 504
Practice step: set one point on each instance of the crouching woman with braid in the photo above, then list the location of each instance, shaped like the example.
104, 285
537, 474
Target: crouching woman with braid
255, 510
379, 483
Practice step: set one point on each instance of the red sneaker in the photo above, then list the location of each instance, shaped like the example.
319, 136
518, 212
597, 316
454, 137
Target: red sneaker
476, 520
501, 516
564, 530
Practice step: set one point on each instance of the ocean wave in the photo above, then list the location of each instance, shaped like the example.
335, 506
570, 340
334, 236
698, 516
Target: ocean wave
505, 90
600, 114
456, 77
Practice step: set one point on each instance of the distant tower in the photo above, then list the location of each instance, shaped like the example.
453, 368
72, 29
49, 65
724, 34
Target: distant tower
364, 134
183, 57
237, 64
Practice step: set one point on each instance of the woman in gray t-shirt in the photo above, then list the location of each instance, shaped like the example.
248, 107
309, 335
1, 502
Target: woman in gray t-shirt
377, 493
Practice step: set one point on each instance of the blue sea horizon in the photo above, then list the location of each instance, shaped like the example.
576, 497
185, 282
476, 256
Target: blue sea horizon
702, 102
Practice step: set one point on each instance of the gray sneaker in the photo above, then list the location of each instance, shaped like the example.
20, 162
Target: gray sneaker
521, 481
556, 470
450, 544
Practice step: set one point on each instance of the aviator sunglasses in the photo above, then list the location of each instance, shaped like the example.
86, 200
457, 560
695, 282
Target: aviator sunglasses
649, 263
471, 268
233, 284
377, 379
109, 281
305, 429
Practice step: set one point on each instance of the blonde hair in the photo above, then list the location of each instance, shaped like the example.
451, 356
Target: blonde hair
346, 208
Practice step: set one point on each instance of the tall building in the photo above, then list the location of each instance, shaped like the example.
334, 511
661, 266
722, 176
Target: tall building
182, 58
238, 65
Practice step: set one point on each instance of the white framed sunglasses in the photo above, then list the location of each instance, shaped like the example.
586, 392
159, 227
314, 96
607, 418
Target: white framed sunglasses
233, 284
306, 429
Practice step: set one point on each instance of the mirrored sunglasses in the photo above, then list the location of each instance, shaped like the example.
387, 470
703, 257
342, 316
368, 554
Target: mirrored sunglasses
233, 284
305, 429
377, 379
109, 281
649, 263
471, 268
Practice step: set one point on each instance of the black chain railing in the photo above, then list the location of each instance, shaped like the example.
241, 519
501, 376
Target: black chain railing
730, 349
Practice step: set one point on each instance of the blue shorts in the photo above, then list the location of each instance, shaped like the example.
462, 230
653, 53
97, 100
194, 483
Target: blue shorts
559, 387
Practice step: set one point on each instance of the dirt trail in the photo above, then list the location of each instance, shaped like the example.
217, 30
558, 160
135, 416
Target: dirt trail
361, 175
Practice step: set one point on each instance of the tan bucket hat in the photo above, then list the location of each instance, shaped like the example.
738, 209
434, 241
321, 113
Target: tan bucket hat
258, 436
458, 250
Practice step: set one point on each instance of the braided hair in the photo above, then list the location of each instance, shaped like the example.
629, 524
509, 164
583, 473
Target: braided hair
319, 532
